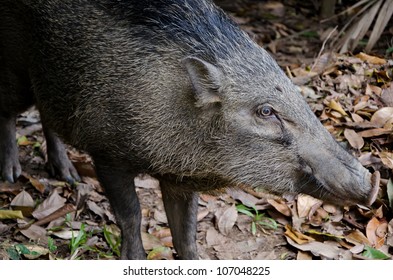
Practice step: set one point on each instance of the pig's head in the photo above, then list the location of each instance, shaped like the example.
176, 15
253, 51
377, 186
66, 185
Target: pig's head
269, 137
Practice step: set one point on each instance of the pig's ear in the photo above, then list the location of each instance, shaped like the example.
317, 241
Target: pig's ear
206, 80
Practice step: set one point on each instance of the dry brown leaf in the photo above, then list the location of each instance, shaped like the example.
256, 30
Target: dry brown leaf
52, 203
150, 241
95, 208
247, 246
207, 197
357, 118
348, 82
387, 95
378, 213
374, 132
361, 105
357, 237
161, 232
375, 239
160, 253
227, 220
305, 203
36, 233
146, 181
213, 237
303, 255
93, 182
160, 217
280, 206
389, 240
66, 234
38, 251
296, 236
4, 228
164, 234
387, 158
371, 59
37, 184
108, 212
354, 139
10, 214
357, 125
322, 63
83, 192
382, 116
334, 229
6, 187
202, 214
317, 215
327, 250
61, 212
242, 196
273, 8
357, 249
167, 241
382, 230
368, 159
337, 107
85, 169
34, 182
370, 213
309, 93
23, 199
372, 89
330, 208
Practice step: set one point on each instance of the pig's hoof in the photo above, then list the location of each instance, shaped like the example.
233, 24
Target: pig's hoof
10, 170
64, 169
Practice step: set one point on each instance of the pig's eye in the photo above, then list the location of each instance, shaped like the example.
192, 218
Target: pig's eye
265, 111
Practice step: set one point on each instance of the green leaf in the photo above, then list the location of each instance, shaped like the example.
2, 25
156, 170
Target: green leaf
51, 245
253, 228
375, 254
36, 145
268, 223
390, 192
244, 210
13, 253
310, 34
79, 240
23, 141
160, 253
67, 218
113, 240
22, 249
265, 222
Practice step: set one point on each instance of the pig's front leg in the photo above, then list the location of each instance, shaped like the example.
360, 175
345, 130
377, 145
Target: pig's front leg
120, 190
9, 162
181, 210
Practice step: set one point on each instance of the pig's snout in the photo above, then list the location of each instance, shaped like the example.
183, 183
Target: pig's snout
334, 175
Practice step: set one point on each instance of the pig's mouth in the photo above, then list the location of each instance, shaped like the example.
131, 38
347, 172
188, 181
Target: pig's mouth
312, 186
317, 189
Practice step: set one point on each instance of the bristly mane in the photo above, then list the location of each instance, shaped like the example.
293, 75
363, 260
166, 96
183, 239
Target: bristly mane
195, 25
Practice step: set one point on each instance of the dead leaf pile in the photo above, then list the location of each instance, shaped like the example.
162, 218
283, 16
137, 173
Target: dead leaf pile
353, 97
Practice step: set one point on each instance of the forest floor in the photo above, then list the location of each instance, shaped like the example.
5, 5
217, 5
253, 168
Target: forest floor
352, 94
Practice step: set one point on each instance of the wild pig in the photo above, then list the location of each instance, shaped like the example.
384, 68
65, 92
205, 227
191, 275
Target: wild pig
173, 88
